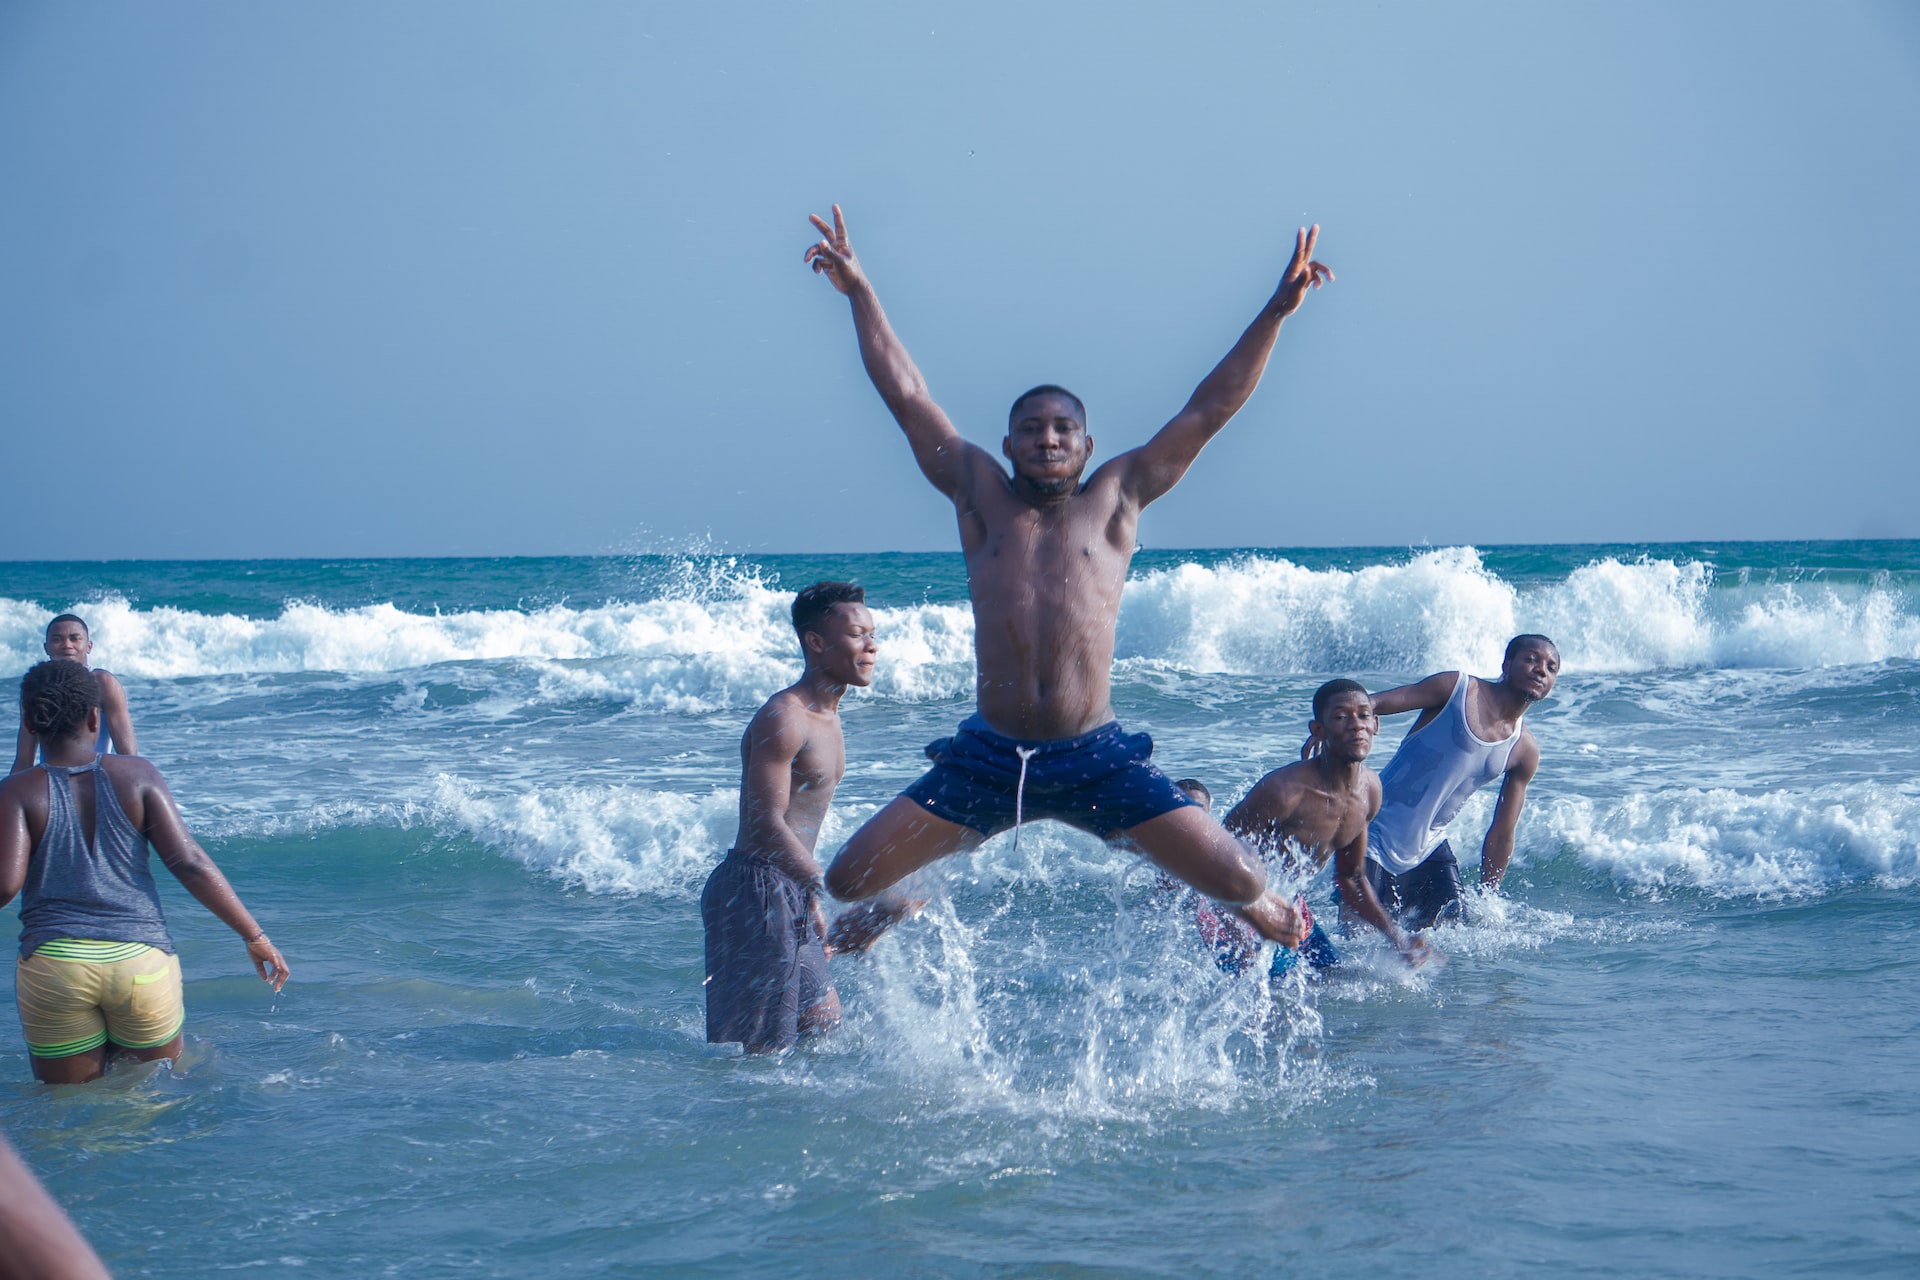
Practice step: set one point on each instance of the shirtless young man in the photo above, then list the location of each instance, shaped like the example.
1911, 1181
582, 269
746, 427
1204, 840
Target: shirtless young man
767, 938
68, 637
1468, 734
1321, 807
1047, 557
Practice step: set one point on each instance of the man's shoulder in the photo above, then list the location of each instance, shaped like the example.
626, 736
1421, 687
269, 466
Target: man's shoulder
788, 715
783, 707
1525, 756
1278, 783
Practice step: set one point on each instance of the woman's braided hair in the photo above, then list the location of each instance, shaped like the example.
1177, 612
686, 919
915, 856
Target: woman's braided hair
56, 696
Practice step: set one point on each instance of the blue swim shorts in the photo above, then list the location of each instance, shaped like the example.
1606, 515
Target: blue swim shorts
1102, 781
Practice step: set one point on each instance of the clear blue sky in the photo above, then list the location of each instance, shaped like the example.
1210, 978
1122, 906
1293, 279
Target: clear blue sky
457, 278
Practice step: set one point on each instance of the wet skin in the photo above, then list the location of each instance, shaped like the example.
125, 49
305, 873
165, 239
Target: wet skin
1322, 806
1494, 711
792, 756
69, 640
149, 806
1047, 556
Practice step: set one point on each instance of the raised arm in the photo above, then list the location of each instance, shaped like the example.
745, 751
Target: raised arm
946, 458
1425, 696
1497, 849
1430, 694
1155, 467
160, 819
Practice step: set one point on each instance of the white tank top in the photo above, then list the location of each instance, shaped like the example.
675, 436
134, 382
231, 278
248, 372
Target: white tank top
1428, 781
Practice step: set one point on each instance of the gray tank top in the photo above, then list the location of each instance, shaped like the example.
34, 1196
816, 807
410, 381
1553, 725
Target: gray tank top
105, 892
1428, 781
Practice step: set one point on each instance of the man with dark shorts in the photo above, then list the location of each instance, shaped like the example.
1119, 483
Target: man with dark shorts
1468, 734
1316, 808
1047, 558
767, 940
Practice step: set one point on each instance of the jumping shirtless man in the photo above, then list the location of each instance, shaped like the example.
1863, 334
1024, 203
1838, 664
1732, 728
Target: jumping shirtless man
1047, 557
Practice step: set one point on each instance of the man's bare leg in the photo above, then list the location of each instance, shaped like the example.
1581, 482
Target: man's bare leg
1191, 845
80, 1068
1198, 850
895, 843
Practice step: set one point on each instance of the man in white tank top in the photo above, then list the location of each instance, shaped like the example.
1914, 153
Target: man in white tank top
1468, 734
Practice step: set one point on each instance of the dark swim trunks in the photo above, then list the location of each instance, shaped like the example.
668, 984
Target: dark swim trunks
1103, 782
1429, 894
766, 962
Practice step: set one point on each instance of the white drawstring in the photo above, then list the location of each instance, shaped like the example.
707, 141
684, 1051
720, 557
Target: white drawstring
1020, 793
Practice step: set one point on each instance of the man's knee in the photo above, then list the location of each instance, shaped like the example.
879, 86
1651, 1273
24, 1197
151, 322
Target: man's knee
849, 874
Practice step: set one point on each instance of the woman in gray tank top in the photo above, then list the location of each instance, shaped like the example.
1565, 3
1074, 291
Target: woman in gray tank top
97, 975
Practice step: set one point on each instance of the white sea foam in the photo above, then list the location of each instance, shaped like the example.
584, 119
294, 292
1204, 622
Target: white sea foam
728, 642
603, 839
1444, 609
1733, 844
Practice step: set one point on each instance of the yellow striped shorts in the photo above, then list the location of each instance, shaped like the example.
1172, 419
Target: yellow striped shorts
75, 995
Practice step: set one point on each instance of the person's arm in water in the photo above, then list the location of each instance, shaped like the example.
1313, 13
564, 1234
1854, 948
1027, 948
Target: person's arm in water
1497, 849
948, 460
113, 710
159, 817
37, 1239
1349, 872
1156, 466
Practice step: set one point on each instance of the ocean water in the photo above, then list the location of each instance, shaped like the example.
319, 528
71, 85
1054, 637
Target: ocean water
474, 802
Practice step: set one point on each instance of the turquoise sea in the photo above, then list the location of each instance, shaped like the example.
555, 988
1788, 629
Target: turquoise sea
474, 801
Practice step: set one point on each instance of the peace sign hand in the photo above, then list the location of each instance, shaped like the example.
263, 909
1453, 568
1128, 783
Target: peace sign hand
1302, 273
833, 256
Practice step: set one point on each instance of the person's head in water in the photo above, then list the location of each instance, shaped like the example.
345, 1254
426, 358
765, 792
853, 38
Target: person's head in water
1047, 441
836, 632
1344, 721
68, 637
1531, 666
1197, 792
59, 699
